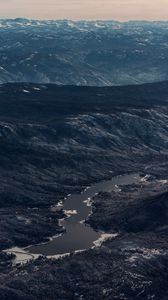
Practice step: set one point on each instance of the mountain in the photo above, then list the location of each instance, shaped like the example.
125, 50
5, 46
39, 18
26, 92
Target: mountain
99, 53
56, 140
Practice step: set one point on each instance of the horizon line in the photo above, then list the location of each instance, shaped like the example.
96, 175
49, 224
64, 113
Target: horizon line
86, 20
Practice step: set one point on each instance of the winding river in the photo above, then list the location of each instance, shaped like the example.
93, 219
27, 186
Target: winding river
78, 236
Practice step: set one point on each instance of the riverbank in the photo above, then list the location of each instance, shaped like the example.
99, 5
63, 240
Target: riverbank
78, 235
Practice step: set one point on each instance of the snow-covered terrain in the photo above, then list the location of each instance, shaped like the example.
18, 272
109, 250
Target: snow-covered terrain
83, 53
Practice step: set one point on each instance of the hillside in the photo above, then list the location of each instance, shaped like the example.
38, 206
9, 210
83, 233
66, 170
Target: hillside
101, 53
56, 140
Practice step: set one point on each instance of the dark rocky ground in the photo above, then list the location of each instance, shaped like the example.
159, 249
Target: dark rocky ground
132, 266
56, 140
23, 227
134, 208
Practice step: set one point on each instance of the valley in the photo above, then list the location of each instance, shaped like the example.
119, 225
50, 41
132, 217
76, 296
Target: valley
58, 140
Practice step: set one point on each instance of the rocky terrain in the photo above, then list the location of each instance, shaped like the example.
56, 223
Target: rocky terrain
98, 53
56, 140
133, 208
131, 266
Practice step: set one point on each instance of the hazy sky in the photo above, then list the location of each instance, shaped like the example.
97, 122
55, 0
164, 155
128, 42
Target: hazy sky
85, 9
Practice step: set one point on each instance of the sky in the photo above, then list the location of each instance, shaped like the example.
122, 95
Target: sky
85, 9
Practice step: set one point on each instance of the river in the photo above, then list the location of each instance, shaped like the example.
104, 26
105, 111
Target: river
78, 236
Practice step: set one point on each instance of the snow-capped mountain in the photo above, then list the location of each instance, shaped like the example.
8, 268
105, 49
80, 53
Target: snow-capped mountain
83, 52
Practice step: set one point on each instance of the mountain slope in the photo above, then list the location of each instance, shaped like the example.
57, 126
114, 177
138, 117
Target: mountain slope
98, 53
55, 140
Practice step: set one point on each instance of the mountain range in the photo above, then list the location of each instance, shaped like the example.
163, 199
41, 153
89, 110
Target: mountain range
56, 140
95, 53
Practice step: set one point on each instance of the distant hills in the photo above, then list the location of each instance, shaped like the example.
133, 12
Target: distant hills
98, 53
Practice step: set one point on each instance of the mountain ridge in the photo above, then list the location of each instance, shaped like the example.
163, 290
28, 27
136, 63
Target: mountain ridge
58, 140
98, 53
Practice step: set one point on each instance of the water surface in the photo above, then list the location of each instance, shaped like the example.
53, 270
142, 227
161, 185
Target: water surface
78, 235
